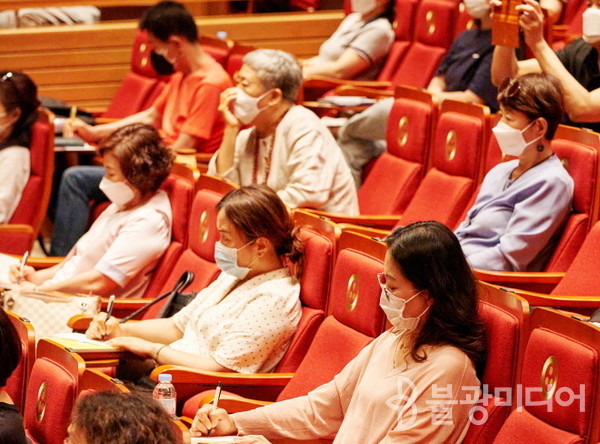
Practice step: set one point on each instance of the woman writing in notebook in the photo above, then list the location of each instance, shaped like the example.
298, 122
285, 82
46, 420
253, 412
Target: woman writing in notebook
391, 391
244, 321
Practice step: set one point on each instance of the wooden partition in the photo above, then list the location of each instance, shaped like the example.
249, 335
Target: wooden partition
83, 64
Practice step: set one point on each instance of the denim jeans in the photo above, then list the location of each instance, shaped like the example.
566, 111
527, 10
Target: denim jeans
78, 186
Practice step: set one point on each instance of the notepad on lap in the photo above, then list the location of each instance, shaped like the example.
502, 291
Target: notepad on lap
5, 263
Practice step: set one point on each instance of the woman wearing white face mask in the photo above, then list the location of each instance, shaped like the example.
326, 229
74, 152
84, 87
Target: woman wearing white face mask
358, 47
245, 320
125, 243
576, 65
18, 113
523, 203
286, 146
388, 392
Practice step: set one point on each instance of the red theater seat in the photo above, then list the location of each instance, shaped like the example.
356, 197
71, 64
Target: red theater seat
16, 385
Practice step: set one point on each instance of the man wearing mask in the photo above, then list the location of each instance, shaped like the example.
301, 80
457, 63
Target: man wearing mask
185, 113
576, 65
285, 146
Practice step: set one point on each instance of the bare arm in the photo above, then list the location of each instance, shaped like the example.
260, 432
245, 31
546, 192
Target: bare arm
580, 104
347, 66
92, 134
89, 281
437, 86
185, 141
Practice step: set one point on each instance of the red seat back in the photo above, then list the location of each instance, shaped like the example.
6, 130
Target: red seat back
32, 207
180, 193
395, 175
355, 316
234, 62
506, 319
51, 392
578, 151
460, 137
219, 49
16, 385
198, 257
434, 32
560, 382
319, 252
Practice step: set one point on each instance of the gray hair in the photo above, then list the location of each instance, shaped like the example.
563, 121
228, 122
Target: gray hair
276, 69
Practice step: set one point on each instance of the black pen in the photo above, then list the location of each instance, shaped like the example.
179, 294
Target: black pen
111, 303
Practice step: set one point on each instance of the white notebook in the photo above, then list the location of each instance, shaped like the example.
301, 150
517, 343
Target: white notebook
5, 263
214, 440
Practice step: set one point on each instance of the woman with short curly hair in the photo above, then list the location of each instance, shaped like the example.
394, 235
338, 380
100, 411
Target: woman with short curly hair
124, 245
120, 418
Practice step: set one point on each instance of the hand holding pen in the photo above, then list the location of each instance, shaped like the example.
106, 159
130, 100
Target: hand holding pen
111, 303
21, 269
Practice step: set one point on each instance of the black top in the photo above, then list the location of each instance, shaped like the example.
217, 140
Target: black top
581, 60
11, 425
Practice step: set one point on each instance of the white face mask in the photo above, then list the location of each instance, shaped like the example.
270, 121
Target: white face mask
363, 6
477, 8
511, 140
118, 193
245, 107
393, 307
591, 25
226, 259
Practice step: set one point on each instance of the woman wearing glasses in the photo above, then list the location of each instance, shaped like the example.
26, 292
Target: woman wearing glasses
392, 391
523, 203
18, 113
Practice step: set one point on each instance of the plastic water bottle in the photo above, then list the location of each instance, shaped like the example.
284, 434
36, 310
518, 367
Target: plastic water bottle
165, 394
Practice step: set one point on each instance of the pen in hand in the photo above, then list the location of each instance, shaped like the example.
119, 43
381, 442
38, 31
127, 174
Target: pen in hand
111, 302
22, 266
215, 404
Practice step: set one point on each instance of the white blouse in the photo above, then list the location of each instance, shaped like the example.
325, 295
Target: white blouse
14, 171
247, 329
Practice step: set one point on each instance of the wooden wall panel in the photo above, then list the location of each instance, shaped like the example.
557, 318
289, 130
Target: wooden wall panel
83, 64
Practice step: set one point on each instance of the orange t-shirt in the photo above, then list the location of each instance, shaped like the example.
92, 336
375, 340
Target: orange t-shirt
189, 104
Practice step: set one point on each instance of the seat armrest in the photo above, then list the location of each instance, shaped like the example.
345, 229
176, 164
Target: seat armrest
317, 81
189, 381
44, 262
373, 221
577, 304
79, 322
538, 282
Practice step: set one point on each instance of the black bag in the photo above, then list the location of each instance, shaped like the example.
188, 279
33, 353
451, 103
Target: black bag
178, 301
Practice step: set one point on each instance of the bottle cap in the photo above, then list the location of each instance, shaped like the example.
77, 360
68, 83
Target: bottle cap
222, 35
165, 377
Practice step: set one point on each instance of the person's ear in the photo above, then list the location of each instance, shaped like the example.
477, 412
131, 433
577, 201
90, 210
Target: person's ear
263, 245
540, 127
274, 97
176, 41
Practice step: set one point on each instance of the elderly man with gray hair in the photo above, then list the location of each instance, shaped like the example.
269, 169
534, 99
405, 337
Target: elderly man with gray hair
284, 145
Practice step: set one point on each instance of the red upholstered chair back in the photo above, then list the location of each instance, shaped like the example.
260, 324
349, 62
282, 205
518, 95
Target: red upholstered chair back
506, 319
51, 392
456, 162
395, 175
578, 151
434, 32
319, 251
580, 280
16, 385
198, 257
355, 317
32, 207
560, 382
234, 62
180, 193
219, 49
141, 85
405, 11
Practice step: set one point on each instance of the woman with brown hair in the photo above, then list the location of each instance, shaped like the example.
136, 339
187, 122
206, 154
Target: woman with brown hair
123, 246
416, 382
18, 113
523, 203
244, 321
120, 418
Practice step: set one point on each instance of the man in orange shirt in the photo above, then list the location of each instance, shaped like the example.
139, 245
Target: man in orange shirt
185, 113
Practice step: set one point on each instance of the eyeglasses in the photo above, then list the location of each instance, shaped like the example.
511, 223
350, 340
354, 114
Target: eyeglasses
510, 87
382, 281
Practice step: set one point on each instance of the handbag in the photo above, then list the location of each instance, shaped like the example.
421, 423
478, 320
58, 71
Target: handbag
49, 311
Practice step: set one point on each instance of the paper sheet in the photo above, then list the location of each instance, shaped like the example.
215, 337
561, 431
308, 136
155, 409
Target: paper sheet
214, 440
77, 340
5, 263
